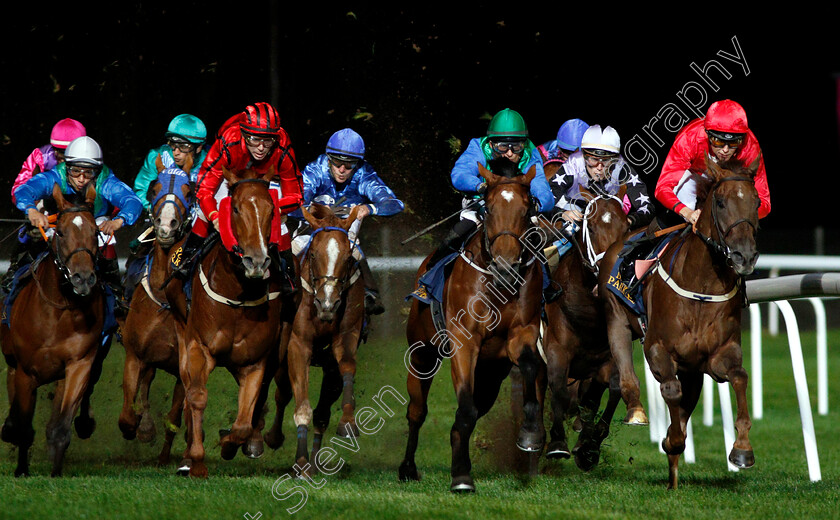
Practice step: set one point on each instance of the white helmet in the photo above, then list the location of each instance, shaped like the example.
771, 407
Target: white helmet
600, 142
83, 151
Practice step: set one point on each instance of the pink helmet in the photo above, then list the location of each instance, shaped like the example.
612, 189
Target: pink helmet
65, 131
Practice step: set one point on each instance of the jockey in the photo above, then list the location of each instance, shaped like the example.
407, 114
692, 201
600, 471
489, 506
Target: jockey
252, 139
566, 143
507, 136
40, 160
341, 176
722, 135
185, 139
83, 164
599, 166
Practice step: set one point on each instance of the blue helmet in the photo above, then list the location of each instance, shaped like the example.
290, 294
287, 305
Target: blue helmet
188, 127
570, 134
346, 143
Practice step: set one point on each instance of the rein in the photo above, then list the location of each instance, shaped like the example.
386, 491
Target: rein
720, 247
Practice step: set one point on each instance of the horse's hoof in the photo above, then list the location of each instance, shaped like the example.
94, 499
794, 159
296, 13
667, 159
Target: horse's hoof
462, 484
21, 472
347, 430
253, 449
636, 417
84, 426
577, 425
146, 432
408, 471
530, 441
742, 458
557, 450
586, 459
198, 471
163, 460
274, 440
184, 468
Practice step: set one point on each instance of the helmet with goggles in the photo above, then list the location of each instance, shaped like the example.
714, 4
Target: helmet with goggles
507, 125
260, 119
726, 120
346, 145
83, 152
570, 134
600, 143
186, 128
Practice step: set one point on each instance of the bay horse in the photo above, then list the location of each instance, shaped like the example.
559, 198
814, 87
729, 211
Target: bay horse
330, 316
575, 342
235, 316
148, 332
693, 305
491, 306
54, 332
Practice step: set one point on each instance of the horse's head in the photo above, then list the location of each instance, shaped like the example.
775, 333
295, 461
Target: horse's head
508, 207
729, 219
329, 263
170, 197
250, 220
604, 221
75, 242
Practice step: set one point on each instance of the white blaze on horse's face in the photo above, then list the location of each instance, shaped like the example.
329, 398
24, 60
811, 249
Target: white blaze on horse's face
263, 242
168, 214
606, 218
78, 222
332, 259
507, 195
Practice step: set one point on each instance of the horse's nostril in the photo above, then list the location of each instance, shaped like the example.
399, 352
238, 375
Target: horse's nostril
92, 279
76, 279
173, 224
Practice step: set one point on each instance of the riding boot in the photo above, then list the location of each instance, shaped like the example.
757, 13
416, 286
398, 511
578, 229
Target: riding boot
109, 270
286, 262
551, 289
20, 257
373, 303
183, 257
452, 242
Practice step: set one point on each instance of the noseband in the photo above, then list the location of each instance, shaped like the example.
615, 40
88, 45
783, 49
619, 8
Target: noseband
489, 241
720, 246
173, 187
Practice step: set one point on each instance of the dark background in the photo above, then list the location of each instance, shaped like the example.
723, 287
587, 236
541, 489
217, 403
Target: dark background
417, 83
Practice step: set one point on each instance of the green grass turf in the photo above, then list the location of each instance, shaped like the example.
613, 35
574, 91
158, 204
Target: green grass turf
107, 477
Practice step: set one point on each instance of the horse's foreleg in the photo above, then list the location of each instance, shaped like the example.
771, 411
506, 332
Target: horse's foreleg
85, 423
463, 368
282, 395
664, 369
532, 433
196, 365
727, 363
300, 356
423, 363
331, 389
595, 429
347, 368
250, 383
173, 422
131, 380
76, 386
146, 431
621, 346
558, 375
17, 428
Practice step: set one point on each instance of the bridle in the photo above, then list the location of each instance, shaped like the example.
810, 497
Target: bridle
61, 263
173, 188
488, 241
720, 247
340, 284
237, 249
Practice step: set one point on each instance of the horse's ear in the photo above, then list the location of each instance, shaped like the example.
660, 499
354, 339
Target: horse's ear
269, 174
58, 197
90, 195
713, 169
228, 175
313, 222
188, 164
487, 174
159, 164
532, 172
752, 169
354, 213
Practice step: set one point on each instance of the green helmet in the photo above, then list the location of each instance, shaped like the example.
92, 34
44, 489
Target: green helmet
507, 123
188, 127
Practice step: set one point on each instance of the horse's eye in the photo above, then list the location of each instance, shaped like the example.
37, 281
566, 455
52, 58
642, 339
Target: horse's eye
235, 209
720, 203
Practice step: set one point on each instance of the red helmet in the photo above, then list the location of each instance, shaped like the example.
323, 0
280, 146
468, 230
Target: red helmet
260, 119
726, 117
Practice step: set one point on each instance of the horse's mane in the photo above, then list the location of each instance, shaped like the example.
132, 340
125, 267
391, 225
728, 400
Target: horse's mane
735, 167
503, 167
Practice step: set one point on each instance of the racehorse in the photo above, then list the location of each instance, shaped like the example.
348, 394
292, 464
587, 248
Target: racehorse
491, 308
693, 306
330, 315
575, 342
68, 304
148, 333
235, 315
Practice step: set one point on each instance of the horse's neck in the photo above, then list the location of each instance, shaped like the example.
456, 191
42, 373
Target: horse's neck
699, 268
160, 270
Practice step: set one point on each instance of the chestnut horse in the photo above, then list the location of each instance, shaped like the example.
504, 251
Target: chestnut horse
693, 304
54, 332
235, 317
330, 315
491, 303
148, 333
575, 340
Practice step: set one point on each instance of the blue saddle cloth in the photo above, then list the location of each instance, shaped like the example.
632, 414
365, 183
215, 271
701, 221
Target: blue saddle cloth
622, 281
430, 284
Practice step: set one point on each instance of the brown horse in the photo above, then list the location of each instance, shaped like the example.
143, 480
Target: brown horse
234, 320
68, 305
575, 340
148, 333
491, 305
693, 305
330, 315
